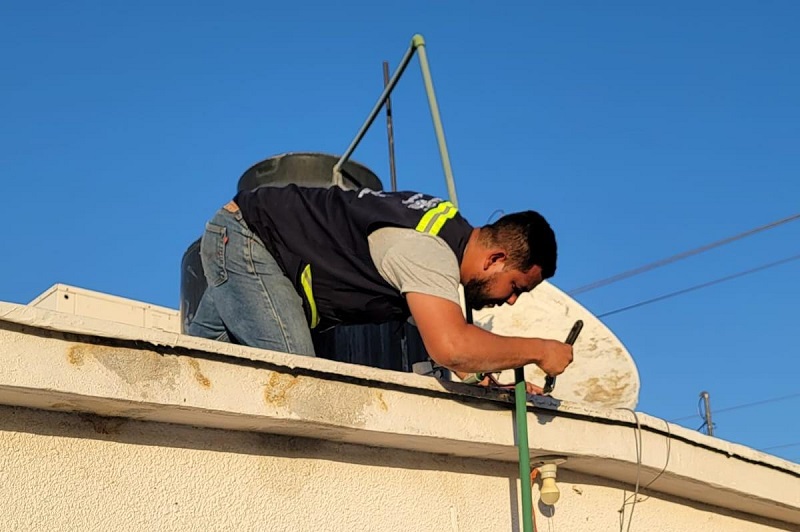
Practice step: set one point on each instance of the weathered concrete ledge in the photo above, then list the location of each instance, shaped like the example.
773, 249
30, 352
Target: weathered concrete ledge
64, 362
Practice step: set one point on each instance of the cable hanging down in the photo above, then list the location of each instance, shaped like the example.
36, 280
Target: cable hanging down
680, 256
699, 286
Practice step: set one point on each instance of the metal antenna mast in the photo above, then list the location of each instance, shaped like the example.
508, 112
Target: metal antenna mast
707, 412
389, 127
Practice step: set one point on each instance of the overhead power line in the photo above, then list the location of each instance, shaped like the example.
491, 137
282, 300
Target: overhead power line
699, 286
744, 405
679, 256
784, 446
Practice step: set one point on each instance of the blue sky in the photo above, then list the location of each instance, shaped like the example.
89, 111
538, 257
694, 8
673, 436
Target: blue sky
640, 129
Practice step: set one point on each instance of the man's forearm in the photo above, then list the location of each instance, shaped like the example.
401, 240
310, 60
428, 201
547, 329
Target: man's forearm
477, 350
463, 347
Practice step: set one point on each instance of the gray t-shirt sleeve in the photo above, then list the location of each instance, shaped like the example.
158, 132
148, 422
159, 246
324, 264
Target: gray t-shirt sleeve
412, 261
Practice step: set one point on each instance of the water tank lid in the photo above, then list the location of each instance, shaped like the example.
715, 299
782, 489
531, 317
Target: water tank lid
308, 169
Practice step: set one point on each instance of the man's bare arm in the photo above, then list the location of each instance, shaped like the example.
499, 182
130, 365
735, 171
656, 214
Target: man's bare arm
462, 347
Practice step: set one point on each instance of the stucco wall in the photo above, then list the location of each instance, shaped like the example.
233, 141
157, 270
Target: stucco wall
62, 471
213, 436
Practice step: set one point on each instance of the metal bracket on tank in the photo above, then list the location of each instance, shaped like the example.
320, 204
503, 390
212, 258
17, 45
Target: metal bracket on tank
417, 45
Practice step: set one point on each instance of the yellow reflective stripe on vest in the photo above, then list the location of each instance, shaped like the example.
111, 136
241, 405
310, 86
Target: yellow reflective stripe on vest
305, 280
434, 219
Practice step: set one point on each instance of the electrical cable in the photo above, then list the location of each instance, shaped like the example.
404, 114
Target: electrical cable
501, 212
699, 286
635, 497
795, 444
534, 473
679, 256
666, 462
744, 405
637, 437
738, 407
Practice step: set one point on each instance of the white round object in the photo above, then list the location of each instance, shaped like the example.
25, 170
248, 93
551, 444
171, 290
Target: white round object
602, 374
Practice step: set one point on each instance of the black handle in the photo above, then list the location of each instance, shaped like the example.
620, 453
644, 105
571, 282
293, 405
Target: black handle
573, 334
572, 337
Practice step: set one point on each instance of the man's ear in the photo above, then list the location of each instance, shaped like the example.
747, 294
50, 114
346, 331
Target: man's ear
495, 260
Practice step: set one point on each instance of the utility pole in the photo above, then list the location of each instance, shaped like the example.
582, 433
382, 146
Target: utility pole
707, 413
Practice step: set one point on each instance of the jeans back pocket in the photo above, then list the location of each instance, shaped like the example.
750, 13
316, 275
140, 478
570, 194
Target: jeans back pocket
212, 254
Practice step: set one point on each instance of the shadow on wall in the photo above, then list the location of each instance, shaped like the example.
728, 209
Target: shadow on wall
153, 434
141, 433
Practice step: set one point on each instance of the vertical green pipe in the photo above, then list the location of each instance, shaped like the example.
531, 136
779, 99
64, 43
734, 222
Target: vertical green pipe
418, 43
521, 399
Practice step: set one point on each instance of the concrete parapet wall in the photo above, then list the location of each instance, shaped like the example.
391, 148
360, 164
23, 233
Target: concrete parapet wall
113, 427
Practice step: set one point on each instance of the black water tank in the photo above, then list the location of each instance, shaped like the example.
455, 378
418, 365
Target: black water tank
393, 345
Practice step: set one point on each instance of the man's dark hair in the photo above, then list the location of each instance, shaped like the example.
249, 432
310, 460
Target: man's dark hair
528, 240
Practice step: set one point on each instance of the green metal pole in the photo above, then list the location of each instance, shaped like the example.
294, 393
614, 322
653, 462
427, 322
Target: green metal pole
418, 43
521, 399
387, 91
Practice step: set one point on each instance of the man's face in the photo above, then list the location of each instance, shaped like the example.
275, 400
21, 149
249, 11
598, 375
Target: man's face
498, 287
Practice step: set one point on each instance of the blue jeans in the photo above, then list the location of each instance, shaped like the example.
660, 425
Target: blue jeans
249, 300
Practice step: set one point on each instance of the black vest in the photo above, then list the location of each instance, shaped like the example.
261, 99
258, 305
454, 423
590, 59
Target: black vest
319, 238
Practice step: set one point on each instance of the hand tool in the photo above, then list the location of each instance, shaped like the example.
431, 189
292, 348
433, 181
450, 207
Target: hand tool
550, 381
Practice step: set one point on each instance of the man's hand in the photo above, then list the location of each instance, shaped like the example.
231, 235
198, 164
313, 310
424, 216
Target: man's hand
555, 357
490, 382
531, 389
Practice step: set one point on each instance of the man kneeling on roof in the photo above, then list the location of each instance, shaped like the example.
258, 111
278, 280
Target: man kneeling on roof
282, 261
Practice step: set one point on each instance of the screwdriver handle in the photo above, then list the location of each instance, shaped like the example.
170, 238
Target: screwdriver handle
572, 337
573, 334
